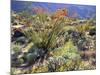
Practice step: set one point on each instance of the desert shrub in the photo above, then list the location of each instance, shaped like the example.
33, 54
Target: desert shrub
15, 71
55, 63
61, 64
68, 50
86, 65
33, 36
73, 64
16, 48
72, 51
70, 65
39, 69
79, 39
70, 58
31, 57
44, 39
83, 28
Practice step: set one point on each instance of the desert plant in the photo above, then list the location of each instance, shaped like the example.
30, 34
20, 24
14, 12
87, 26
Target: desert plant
40, 69
70, 57
68, 50
15, 71
45, 39
16, 48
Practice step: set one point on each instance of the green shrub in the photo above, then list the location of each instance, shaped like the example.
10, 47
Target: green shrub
68, 50
16, 48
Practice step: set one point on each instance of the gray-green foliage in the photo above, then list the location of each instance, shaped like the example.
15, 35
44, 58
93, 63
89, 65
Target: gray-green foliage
65, 58
16, 48
46, 39
72, 51
68, 51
